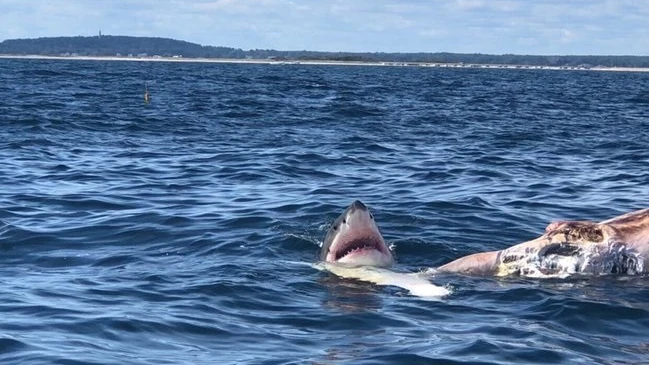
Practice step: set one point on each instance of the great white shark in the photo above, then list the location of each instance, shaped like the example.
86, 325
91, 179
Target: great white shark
354, 248
616, 246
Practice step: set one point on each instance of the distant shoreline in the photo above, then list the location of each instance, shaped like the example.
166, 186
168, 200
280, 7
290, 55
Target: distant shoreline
321, 62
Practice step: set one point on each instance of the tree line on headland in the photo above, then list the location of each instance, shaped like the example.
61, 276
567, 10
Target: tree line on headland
127, 46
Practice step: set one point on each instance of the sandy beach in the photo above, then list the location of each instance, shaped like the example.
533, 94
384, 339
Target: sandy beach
321, 62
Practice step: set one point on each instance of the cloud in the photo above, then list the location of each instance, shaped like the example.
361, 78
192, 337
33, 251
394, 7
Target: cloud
483, 5
468, 4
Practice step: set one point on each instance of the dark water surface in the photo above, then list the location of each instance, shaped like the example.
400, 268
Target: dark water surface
178, 232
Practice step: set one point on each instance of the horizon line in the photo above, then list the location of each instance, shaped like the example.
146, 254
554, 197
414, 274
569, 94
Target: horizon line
349, 52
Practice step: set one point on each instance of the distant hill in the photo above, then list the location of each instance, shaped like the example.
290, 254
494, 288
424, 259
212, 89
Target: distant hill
108, 45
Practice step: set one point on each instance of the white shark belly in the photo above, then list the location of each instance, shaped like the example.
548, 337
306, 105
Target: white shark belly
417, 284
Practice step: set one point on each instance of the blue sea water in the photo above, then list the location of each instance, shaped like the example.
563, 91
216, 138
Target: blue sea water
180, 231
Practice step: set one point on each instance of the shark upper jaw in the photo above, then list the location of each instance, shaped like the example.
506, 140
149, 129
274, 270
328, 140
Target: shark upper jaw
355, 240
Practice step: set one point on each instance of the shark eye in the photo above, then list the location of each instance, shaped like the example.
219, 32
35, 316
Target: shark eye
334, 228
344, 221
371, 216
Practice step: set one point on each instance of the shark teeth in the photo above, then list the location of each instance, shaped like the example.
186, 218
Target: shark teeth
358, 244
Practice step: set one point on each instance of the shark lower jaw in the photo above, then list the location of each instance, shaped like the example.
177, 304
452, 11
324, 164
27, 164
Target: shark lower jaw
366, 257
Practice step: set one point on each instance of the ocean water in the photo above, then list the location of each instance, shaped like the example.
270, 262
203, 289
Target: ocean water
181, 231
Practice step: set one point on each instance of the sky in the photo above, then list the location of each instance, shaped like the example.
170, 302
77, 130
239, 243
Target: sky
541, 27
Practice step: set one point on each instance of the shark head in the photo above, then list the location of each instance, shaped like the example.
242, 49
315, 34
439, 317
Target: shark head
355, 240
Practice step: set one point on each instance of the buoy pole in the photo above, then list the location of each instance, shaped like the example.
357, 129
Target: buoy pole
147, 97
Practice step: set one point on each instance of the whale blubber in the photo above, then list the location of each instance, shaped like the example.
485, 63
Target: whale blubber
578, 231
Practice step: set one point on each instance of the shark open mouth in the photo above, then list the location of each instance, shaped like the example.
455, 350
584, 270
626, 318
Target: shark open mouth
354, 240
359, 245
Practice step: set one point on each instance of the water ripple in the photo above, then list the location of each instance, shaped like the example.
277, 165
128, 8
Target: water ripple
181, 231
